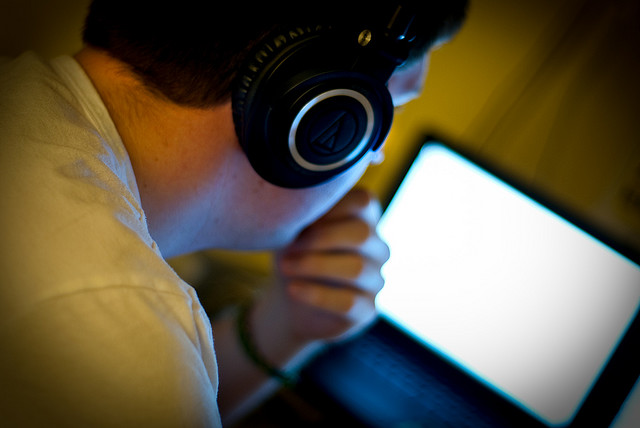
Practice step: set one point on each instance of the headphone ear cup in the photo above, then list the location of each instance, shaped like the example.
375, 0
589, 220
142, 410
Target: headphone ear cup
301, 116
256, 67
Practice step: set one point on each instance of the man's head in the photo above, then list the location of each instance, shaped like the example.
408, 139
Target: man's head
191, 51
195, 56
308, 83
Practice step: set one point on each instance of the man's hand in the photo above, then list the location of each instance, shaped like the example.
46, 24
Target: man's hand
331, 272
328, 279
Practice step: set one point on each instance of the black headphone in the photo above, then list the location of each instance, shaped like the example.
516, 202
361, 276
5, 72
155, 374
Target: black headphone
312, 100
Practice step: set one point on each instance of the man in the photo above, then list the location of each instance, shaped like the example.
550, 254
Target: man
128, 153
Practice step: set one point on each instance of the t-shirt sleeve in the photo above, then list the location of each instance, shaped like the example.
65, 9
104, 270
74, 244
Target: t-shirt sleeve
114, 357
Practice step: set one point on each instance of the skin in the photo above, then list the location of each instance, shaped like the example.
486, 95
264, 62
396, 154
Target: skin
199, 191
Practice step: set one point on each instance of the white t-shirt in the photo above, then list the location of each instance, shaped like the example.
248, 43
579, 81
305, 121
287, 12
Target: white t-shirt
95, 328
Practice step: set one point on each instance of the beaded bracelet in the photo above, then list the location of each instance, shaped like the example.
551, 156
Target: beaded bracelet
251, 350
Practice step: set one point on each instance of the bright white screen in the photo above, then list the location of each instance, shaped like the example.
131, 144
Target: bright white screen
501, 286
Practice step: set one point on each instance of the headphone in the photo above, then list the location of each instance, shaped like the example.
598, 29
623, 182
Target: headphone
310, 101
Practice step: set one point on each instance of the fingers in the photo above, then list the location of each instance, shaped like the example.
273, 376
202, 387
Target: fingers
349, 226
350, 270
345, 235
331, 272
349, 304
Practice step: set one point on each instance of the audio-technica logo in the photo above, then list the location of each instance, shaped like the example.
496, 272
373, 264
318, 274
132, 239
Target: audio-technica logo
333, 132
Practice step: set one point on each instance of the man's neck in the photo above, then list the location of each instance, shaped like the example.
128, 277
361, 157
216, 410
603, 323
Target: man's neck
173, 149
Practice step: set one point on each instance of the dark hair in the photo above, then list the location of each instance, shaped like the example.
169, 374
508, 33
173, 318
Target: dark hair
189, 51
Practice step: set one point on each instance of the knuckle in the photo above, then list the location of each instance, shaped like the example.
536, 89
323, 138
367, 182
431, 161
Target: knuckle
380, 285
363, 310
386, 252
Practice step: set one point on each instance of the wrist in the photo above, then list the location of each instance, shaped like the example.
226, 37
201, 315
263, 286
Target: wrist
268, 334
255, 353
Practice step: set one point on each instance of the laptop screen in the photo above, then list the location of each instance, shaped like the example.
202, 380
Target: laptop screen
501, 286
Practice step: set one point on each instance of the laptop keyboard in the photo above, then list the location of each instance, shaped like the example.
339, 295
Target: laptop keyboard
401, 371
435, 401
387, 385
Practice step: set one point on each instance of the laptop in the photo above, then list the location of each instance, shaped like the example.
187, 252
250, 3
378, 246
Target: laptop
500, 309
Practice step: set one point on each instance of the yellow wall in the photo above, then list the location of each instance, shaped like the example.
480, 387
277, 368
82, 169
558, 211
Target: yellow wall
546, 87
50, 27
550, 90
